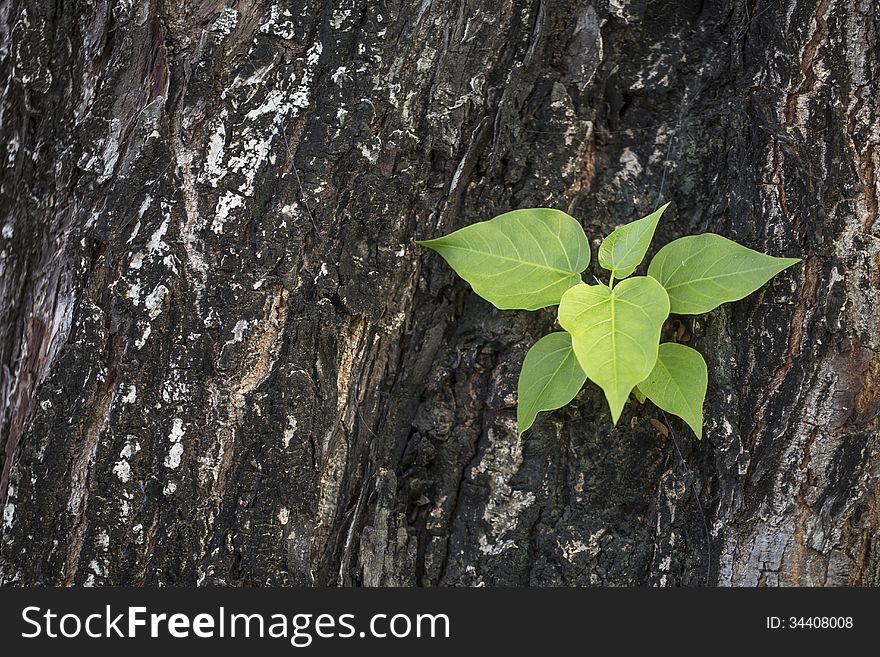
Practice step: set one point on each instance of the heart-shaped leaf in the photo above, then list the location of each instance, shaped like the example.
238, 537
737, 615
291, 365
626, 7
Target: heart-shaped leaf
700, 272
550, 378
523, 259
678, 382
615, 333
625, 248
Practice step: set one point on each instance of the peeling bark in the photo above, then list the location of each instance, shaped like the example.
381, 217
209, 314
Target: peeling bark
224, 361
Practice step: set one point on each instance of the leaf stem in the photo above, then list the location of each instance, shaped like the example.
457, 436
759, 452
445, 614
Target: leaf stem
611, 280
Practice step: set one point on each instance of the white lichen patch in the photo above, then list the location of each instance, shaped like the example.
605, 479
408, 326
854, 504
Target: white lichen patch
323, 271
12, 148
141, 341
573, 547
496, 547
8, 515
122, 468
175, 388
655, 76
631, 167
225, 204
153, 302
148, 200
280, 23
283, 515
251, 142
97, 569
172, 459
141, 211
134, 293
238, 330
340, 76
273, 102
226, 21
130, 396
623, 10
337, 20
289, 431
505, 504
371, 151
213, 170
156, 244
102, 540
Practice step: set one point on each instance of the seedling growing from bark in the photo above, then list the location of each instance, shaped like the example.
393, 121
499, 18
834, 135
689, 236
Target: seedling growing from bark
531, 259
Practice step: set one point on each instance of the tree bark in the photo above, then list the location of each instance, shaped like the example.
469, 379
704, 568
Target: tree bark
224, 361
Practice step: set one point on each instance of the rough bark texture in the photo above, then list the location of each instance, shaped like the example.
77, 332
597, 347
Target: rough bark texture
225, 361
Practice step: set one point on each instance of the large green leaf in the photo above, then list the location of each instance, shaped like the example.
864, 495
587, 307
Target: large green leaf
615, 333
625, 248
700, 272
523, 259
678, 382
550, 378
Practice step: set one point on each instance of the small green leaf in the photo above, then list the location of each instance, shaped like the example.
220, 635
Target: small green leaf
523, 259
625, 248
678, 382
700, 272
550, 378
615, 333
639, 395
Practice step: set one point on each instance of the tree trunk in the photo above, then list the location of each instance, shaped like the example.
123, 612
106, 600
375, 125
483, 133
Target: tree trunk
224, 360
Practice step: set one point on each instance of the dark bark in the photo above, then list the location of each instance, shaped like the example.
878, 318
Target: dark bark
225, 361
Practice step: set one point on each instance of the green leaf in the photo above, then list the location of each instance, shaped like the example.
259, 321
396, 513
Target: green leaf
625, 248
550, 378
523, 259
639, 395
700, 272
678, 382
615, 333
